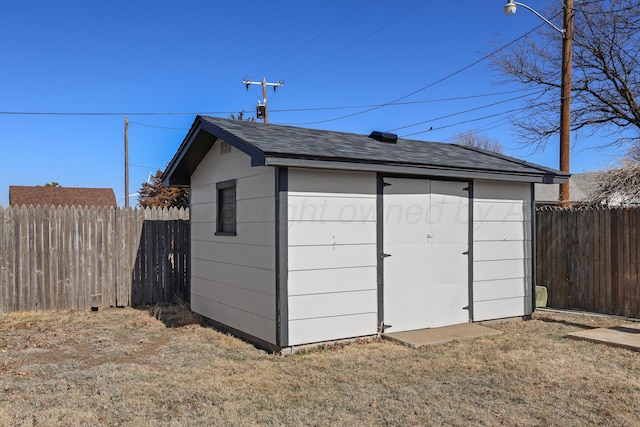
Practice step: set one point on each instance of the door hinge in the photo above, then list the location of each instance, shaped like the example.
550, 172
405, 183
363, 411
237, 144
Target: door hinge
385, 184
465, 189
383, 256
465, 253
465, 308
384, 327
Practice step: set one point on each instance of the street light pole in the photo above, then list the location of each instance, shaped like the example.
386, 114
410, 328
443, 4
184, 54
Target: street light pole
565, 85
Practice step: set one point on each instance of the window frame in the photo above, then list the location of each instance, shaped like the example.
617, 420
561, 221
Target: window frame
222, 228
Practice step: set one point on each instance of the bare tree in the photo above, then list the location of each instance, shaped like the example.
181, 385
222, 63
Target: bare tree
619, 186
240, 116
471, 139
606, 73
633, 152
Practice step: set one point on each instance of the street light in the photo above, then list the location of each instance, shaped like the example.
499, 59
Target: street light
565, 95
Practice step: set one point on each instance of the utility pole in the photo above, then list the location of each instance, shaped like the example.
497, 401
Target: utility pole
126, 162
565, 89
262, 112
565, 99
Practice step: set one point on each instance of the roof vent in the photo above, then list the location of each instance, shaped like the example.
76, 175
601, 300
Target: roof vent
389, 137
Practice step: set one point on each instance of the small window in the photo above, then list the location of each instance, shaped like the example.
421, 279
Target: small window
226, 206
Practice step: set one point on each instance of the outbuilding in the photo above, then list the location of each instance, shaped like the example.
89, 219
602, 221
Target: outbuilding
301, 236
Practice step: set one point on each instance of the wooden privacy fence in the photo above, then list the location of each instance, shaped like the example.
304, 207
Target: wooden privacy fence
77, 258
589, 258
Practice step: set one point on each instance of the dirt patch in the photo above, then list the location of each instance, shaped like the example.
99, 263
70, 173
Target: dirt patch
161, 366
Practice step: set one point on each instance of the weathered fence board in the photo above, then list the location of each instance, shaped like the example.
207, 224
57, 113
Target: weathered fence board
589, 258
77, 258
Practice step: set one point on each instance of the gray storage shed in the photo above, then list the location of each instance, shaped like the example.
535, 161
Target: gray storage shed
301, 236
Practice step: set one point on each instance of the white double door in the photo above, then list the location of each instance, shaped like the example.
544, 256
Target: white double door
426, 244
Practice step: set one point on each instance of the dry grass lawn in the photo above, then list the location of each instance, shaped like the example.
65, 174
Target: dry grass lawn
126, 367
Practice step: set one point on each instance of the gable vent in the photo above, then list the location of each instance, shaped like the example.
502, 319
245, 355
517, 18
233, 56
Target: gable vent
388, 137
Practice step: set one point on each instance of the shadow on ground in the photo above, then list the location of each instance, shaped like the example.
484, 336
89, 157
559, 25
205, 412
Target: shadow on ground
174, 315
565, 322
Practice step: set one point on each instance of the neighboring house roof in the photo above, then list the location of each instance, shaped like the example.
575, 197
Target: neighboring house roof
277, 145
581, 185
61, 196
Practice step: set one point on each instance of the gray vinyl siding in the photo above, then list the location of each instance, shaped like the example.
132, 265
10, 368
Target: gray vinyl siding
233, 277
332, 275
501, 250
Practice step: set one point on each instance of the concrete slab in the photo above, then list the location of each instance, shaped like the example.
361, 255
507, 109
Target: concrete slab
626, 336
422, 337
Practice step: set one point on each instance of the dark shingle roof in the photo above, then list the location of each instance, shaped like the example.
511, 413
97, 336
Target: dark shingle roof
61, 196
270, 144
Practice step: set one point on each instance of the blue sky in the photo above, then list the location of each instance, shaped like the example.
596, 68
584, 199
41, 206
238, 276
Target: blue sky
171, 60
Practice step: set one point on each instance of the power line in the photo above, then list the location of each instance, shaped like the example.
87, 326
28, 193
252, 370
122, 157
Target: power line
448, 76
431, 129
217, 113
494, 124
427, 101
465, 111
144, 167
70, 113
155, 126
321, 33
360, 40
